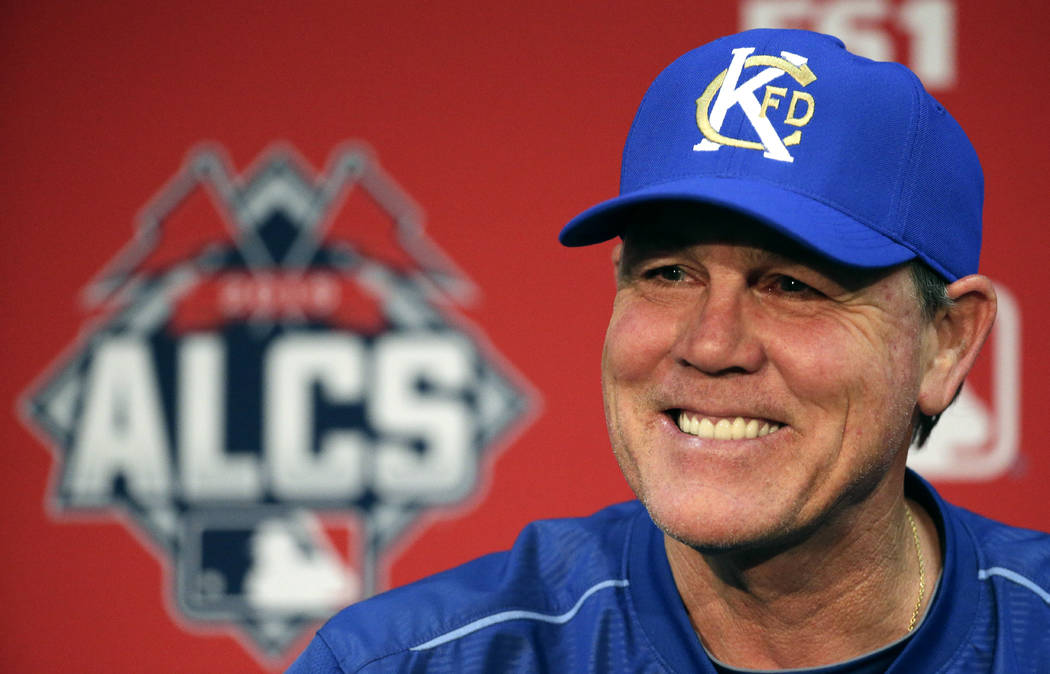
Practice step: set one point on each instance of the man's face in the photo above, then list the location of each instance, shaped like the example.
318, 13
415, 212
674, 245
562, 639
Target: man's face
811, 370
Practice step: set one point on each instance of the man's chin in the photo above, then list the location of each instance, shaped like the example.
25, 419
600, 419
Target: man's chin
727, 535
707, 542
696, 529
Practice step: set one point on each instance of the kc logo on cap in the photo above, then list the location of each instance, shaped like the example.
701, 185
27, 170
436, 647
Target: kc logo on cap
726, 90
863, 185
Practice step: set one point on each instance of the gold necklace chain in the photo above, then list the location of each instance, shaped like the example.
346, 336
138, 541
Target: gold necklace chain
922, 568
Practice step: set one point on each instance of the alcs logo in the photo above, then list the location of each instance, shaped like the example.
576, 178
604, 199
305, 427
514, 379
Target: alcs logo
726, 90
274, 346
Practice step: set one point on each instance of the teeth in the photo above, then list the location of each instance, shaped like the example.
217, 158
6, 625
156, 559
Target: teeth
725, 429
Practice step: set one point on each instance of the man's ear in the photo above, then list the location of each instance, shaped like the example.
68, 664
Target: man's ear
956, 336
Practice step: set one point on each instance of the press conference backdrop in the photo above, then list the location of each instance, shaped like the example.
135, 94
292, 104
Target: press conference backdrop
285, 320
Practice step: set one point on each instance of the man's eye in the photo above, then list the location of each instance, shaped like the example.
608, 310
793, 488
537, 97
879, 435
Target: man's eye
671, 273
792, 286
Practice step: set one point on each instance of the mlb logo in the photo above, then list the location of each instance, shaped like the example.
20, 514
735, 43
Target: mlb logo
279, 570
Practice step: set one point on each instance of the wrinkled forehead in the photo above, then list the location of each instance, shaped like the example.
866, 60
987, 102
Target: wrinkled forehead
670, 226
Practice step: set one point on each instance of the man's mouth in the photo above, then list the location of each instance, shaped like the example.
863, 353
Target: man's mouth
723, 428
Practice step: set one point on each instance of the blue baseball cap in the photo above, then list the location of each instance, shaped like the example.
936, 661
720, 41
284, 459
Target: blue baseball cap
848, 156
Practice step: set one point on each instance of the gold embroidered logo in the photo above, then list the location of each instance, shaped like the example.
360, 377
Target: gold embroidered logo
726, 90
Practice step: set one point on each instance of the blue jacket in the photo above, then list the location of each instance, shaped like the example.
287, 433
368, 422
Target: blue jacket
597, 595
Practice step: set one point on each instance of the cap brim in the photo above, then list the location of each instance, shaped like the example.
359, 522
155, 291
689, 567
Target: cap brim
815, 225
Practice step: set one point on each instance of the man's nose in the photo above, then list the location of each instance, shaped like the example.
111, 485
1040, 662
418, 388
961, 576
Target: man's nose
720, 337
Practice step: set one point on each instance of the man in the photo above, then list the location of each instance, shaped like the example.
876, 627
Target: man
797, 298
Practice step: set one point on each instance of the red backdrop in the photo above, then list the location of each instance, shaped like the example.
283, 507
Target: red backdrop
501, 120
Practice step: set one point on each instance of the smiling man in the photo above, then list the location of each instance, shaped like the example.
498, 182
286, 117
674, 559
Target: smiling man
797, 301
